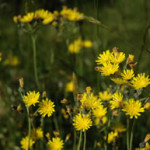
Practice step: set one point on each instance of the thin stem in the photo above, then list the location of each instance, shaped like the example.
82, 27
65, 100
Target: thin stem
29, 128
74, 142
34, 60
84, 145
128, 148
80, 140
131, 136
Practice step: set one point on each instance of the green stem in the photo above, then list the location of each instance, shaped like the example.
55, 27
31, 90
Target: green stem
84, 146
131, 136
34, 60
74, 142
29, 128
80, 140
128, 148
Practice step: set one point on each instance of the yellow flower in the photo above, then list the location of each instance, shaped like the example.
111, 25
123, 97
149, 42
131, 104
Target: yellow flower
89, 101
100, 111
82, 122
127, 74
112, 136
55, 144
117, 57
11, 61
119, 81
87, 44
24, 143
46, 107
27, 18
116, 101
41, 13
76, 46
31, 98
69, 87
119, 127
133, 108
140, 81
147, 105
37, 134
105, 96
49, 18
104, 57
108, 69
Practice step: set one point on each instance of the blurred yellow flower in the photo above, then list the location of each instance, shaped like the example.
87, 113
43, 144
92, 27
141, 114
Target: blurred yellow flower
82, 122
108, 69
31, 98
105, 96
127, 74
119, 81
87, 44
24, 143
48, 19
69, 87
37, 134
55, 144
46, 107
89, 101
104, 57
27, 18
11, 61
140, 81
133, 108
116, 101
100, 111
112, 136
147, 105
119, 127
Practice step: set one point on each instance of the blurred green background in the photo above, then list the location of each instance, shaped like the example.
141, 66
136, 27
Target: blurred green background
127, 27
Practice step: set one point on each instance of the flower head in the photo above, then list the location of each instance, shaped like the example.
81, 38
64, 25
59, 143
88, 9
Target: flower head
140, 81
69, 87
82, 122
127, 74
133, 108
31, 98
117, 57
46, 107
24, 143
108, 69
100, 111
119, 81
112, 136
105, 96
55, 144
37, 134
27, 18
104, 57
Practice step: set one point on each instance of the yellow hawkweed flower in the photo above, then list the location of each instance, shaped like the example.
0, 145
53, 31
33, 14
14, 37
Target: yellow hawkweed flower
69, 87
55, 144
119, 127
104, 57
140, 81
112, 136
100, 111
105, 96
11, 61
130, 59
116, 101
117, 57
46, 107
76, 46
82, 122
87, 44
37, 134
49, 18
27, 18
41, 14
89, 101
104, 119
127, 74
31, 98
108, 69
133, 108
24, 143
119, 81
147, 105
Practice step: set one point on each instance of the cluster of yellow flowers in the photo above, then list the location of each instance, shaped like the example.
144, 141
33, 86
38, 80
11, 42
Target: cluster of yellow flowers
76, 45
48, 17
